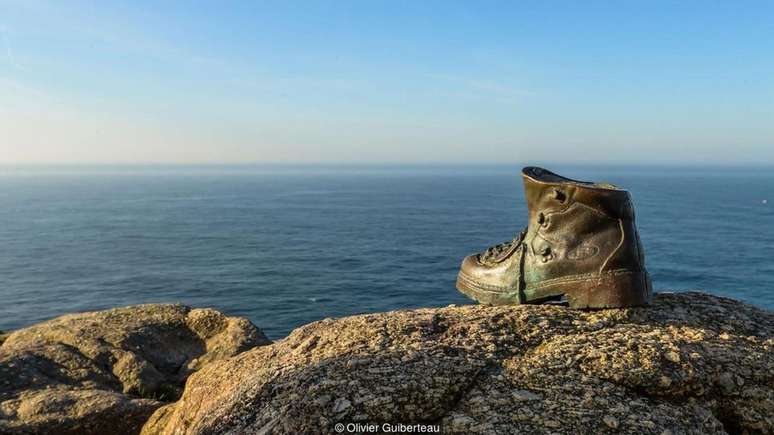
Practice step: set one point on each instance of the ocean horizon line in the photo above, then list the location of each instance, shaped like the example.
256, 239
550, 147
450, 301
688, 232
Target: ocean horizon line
372, 164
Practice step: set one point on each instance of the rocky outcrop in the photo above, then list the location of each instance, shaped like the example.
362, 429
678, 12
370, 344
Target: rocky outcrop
106, 372
691, 363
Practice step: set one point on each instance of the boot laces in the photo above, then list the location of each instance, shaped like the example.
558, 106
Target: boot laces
496, 253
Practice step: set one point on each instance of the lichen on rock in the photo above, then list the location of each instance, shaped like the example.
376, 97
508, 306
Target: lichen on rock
690, 363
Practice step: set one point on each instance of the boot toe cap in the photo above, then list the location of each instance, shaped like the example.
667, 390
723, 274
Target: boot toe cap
486, 284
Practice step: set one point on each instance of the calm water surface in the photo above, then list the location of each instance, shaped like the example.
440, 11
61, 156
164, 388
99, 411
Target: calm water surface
286, 246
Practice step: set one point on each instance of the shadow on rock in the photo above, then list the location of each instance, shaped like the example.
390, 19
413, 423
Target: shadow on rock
108, 371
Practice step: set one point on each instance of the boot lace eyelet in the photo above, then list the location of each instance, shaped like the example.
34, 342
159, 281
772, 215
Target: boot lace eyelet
546, 254
560, 196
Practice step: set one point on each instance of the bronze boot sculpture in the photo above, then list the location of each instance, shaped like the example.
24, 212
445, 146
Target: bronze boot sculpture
581, 244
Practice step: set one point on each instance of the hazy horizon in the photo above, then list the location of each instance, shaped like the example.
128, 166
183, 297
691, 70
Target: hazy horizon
514, 166
353, 83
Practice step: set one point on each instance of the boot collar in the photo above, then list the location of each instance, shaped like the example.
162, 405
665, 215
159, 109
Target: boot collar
544, 176
547, 192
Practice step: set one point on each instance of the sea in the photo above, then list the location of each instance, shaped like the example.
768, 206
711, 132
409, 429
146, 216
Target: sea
288, 245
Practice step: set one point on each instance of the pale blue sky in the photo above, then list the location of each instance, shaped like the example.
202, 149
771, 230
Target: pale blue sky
391, 81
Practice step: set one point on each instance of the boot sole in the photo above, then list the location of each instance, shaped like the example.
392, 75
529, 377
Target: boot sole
614, 289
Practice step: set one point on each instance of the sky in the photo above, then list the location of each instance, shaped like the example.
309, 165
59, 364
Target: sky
688, 82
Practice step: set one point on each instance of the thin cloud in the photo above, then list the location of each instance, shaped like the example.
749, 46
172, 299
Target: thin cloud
9, 52
484, 87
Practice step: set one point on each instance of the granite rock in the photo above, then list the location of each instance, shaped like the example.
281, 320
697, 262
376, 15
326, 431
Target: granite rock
689, 364
108, 371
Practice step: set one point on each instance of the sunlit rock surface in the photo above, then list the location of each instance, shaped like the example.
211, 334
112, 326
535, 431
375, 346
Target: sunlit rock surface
691, 363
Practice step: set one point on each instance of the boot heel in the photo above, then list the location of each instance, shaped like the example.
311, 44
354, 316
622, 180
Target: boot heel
611, 290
